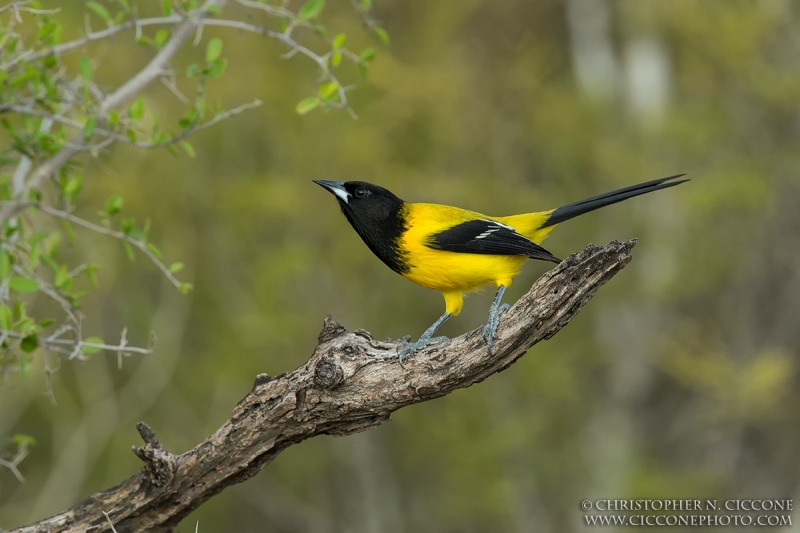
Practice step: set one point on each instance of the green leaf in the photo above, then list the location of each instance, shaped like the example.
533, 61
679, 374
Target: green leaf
23, 285
383, 35
61, 277
52, 265
176, 267
217, 68
5, 265
85, 68
166, 7
91, 273
29, 343
188, 148
21, 439
88, 128
99, 10
154, 249
338, 41
368, 54
162, 36
336, 59
69, 231
192, 70
185, 288
74, 184
5, 317
213, 50
127, 225
129, 251
37, 237
366, 5
328, 90
91, 349
311, 9
136, 110
24, 366
113, 117
114, 205
214, 10
307, 104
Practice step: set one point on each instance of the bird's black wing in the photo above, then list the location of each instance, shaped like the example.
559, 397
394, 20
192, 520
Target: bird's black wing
488, 237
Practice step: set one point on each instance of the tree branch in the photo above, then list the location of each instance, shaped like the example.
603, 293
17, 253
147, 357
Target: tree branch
351, 383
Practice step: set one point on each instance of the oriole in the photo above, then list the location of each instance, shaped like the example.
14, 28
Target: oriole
454, 250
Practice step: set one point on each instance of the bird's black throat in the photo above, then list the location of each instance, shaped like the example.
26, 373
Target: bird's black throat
381, 232
378, 216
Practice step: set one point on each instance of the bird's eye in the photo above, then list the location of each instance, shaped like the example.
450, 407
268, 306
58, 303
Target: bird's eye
360, 192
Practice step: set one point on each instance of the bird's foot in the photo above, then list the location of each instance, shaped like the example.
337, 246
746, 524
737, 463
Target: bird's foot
407, 349
490, 329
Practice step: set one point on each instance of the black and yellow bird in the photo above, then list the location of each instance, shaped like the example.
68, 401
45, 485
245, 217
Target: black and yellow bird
454, 250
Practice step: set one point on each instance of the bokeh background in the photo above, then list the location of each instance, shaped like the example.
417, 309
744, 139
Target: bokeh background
679, 379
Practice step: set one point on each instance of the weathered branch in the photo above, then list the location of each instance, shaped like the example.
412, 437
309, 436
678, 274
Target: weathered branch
351, 383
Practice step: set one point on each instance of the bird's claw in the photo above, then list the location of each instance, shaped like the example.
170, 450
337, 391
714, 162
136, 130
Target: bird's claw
490, 329
407, 349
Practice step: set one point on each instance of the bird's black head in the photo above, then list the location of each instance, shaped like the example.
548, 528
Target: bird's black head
376, 215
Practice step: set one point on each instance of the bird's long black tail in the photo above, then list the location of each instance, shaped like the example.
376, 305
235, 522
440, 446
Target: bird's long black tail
596, 202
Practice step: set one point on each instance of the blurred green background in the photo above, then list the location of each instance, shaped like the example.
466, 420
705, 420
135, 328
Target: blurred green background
678, 380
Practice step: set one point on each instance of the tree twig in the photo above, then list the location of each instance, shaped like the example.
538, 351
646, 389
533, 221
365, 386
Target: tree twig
141, 245
93, 36
351, 383
183, 135
13, 464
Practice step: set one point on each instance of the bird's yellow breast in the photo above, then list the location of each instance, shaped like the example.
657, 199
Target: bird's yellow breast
453, 271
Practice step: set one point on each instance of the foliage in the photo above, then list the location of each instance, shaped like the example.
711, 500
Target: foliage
56, 110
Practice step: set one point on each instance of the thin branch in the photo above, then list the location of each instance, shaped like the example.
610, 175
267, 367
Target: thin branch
141, 245
205, 125
274, 11
14, 463
295, 47
48, 377
78, 345
57, 50
366, 17
51, 292
61, 119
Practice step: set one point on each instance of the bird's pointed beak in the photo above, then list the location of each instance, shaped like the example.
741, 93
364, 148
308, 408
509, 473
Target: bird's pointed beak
335, 187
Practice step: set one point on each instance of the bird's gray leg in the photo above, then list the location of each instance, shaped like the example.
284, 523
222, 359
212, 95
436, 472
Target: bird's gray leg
408, 348
490, 329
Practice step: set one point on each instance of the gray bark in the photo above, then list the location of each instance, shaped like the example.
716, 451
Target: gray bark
351, 383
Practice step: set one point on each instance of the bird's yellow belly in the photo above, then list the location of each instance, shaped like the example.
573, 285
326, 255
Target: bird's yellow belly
451, 271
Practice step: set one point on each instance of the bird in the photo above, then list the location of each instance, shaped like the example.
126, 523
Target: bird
457, 251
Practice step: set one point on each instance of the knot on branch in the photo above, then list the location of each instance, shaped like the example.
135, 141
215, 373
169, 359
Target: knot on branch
261, 379
330, 330
328, 374
159, 464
